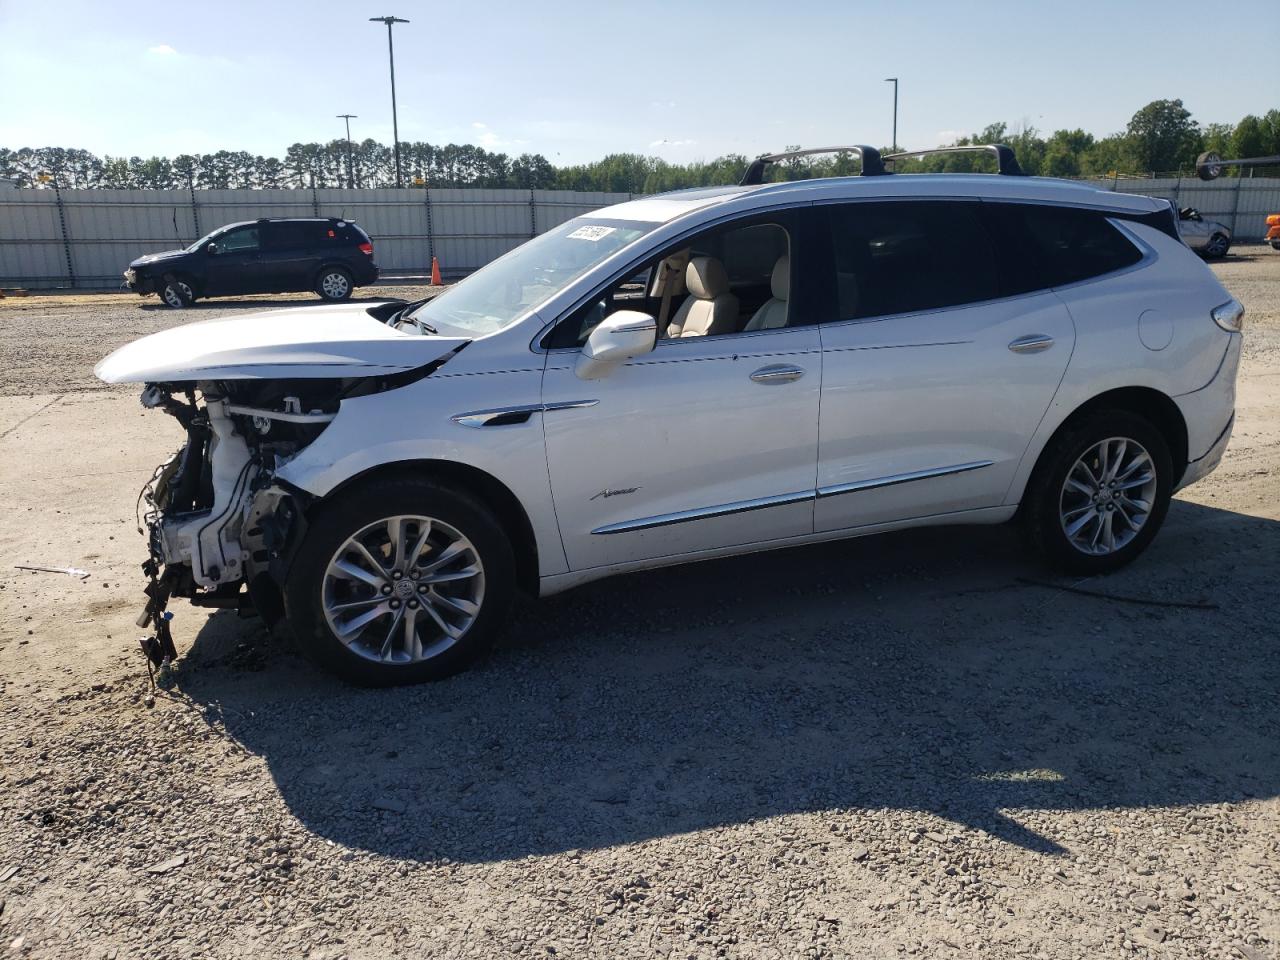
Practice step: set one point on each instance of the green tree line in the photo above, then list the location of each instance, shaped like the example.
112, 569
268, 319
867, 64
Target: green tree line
1161, 138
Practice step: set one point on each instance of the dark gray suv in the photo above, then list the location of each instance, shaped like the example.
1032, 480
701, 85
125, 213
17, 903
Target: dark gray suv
330, 256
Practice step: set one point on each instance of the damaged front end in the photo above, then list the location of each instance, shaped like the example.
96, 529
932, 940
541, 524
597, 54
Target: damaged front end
214, 516
250, 392
221, 528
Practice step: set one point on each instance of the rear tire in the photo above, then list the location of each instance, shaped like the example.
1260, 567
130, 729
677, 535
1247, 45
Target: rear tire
334, 284
1217, 246
177, 294
1099, 493
380, 615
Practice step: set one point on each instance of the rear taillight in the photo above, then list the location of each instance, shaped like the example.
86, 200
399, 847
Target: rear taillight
366, 249
1229, 316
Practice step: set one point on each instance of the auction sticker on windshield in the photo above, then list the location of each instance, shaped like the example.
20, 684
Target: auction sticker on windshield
593, 234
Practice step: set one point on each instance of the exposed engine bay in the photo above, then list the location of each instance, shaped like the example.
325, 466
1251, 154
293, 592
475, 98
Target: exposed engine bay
221, 528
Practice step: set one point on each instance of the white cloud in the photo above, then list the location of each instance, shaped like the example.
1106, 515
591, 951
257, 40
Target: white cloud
163, 50
653, 145
950, 136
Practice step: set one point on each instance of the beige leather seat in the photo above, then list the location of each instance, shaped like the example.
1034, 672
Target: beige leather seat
710, 308
774, 312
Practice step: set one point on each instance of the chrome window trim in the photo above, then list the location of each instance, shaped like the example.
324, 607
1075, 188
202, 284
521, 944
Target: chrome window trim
835, 490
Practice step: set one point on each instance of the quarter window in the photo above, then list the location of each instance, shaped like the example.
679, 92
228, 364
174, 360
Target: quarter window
909, 256
292, 236
1044, 246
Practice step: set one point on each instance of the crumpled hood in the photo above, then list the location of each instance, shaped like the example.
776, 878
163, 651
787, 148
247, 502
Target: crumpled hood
154, 257
341, 340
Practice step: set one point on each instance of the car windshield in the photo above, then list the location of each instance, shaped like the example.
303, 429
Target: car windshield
491, 298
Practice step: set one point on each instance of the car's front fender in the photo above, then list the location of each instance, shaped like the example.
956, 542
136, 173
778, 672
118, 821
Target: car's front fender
415, 423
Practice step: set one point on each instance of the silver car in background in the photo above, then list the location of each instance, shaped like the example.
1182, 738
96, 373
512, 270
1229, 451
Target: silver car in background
1209, 238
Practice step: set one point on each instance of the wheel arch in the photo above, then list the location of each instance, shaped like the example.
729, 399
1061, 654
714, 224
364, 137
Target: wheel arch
197, 288
329, 265
487, 488
1148, 403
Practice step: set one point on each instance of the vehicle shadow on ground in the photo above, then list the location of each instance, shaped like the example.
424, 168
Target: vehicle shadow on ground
912, 671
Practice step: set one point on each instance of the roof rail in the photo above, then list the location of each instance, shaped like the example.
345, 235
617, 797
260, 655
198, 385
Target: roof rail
870, 156
1006, 162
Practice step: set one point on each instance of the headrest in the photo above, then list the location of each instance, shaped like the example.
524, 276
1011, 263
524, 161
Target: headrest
706, 279
781, 279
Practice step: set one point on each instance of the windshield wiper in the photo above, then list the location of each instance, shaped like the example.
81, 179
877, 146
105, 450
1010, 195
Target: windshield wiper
422, 325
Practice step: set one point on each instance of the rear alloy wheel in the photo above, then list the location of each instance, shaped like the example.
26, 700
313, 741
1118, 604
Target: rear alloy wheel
334, 284
1100, 493
1217, 246
401, 582
177, 294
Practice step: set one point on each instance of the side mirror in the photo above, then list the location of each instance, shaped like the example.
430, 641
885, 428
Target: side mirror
211, 249
619, 337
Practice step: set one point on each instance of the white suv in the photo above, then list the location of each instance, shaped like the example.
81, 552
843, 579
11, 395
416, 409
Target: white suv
687, 376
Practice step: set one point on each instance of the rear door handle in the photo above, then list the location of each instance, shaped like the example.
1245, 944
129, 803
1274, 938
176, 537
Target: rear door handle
778, 373
1031, 343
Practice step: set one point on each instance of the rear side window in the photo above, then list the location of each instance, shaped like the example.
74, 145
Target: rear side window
296, 235
908, 256
1044, 246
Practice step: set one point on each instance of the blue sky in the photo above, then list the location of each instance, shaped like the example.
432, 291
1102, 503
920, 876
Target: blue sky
576, 80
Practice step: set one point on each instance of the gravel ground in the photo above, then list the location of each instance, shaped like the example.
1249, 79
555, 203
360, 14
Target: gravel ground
880, 748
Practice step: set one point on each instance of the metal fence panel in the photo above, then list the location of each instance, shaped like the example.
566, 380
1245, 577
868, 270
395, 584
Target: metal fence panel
1241, 203
105, 229
88, 238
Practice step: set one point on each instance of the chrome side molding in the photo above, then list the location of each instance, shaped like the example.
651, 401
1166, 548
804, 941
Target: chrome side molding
874, 484
761, 503
724, 510
507, 416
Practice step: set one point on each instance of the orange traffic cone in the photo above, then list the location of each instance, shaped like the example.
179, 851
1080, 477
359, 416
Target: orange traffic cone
435, 271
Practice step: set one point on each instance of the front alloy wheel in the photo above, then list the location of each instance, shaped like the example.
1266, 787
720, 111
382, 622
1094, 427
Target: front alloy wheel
403, 589
400, 580
177, 294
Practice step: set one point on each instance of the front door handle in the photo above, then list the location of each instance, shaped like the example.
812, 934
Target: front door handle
1031, 343
778, 373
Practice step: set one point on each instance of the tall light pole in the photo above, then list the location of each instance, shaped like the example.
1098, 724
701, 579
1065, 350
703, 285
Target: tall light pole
894, 81
351, 177
391, 53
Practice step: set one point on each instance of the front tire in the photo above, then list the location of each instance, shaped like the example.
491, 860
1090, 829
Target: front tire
176, 294
1099, 493
1217, 246
334, 284
400, 581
